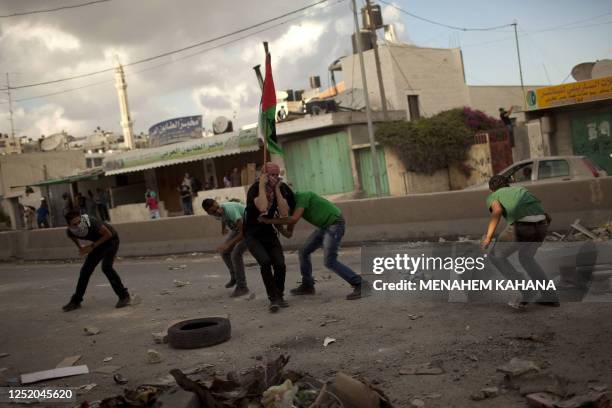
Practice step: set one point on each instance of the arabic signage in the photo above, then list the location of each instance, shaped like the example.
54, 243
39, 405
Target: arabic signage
197, 149
175, 130
569, 94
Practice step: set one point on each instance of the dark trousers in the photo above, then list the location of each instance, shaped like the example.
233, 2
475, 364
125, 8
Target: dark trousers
105, 253
103, 210
525, 238
268, 253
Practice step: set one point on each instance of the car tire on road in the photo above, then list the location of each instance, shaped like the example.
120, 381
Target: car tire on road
196, 333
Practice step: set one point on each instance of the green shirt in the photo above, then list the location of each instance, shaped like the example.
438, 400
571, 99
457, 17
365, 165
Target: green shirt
318, 211
232, 212
517, 202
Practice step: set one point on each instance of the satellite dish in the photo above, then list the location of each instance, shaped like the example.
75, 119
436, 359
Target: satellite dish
582, 72
95, 140
602, 69
52, 142
222, 125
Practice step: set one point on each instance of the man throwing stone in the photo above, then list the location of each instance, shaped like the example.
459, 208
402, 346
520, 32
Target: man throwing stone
526, 230
232, 250
104, 246
330, 224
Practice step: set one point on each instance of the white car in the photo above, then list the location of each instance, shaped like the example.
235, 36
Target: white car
548, 169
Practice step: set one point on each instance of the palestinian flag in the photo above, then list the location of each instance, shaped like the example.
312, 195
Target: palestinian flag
267, 115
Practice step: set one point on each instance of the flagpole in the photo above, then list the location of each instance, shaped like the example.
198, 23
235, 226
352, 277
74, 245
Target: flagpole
265, 45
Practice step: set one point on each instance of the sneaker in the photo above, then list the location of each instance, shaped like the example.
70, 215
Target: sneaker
240, 291
230, 284
273, 308
282, 303
303, 290
550, 304
356, 293
71, 306
123, 302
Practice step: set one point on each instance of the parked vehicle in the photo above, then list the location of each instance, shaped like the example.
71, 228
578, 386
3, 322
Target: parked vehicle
549, 169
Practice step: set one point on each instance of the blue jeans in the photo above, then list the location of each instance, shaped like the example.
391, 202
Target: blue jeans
329, 238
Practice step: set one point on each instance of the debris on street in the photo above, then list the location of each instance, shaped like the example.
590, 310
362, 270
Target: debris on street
68, 361
53, 373
91, 330
268, 386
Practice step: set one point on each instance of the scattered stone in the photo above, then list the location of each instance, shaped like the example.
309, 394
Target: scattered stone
160, 337
198, 369
177, 267
440, 240
414, 317
84, 389
517, 367
547, 383
417, 403
328, 341
107, 359
166, 292
542, 400
91, 330
119, 379
180, 284
153, 357
2, 355
473, 358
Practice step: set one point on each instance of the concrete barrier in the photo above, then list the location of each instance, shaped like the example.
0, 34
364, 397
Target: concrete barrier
422, 216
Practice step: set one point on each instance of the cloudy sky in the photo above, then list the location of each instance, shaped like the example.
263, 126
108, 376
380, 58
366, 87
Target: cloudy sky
217, 78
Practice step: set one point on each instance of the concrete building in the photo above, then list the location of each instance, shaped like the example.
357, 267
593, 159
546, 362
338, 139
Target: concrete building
27, 169
9, 145
425, 81
571, 119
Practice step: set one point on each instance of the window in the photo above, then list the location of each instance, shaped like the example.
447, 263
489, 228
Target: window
413, 107
519, 173
97, 161
553, 168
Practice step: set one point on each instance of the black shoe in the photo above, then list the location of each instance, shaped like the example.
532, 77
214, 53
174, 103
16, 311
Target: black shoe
550, 304
303, 290
230, 284
240, 291
123, 302
71, 306
356, 293
273, 308
282, 303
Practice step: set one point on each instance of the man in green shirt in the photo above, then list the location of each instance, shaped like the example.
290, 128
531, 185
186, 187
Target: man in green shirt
232, 250
526, 230
330, 224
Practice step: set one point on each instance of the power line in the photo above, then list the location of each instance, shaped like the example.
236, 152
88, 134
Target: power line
170, 62
25, 13
177, 50
442, 24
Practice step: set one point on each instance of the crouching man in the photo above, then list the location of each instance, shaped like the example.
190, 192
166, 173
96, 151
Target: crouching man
104, 246
232, 250
330, 224
526, 230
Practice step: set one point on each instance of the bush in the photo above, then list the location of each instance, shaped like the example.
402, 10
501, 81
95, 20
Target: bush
431, 144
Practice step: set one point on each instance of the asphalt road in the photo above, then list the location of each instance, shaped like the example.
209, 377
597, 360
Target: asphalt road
376, 337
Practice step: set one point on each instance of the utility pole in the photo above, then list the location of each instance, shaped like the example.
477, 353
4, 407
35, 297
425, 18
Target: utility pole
381, 87
518, 53
367, 102
10, 101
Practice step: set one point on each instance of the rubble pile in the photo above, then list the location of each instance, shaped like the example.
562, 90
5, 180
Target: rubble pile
545, 389
578, 232
263, 386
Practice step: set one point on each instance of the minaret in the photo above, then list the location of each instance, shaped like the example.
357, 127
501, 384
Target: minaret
126, 121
